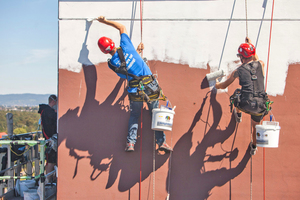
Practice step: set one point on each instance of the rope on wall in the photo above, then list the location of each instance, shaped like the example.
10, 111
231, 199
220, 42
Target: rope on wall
140, 184
267, 72
141, 139
170, 166
246, 12
153, 170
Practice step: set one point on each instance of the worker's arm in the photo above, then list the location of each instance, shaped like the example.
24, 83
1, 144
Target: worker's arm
262, 66
114, 24
226, 83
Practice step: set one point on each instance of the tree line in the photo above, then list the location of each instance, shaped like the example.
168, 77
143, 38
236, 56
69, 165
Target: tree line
23, 121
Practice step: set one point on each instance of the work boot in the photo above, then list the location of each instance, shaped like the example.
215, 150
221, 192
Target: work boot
253, 149
129, 147
165, 147
238, 116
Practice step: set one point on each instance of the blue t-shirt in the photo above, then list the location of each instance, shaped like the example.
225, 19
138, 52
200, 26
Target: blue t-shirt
134, 63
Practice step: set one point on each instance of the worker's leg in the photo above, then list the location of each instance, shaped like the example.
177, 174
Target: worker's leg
255, 120
49, 168
254, 123
135, 112
51, 162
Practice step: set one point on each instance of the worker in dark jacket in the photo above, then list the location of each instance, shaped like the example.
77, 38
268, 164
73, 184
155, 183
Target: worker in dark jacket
49, 127
252, 95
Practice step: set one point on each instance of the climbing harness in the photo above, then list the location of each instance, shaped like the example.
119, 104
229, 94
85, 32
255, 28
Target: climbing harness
256, 102
235, 100
148, 88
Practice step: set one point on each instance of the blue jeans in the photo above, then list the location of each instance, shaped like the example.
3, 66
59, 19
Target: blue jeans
135, 114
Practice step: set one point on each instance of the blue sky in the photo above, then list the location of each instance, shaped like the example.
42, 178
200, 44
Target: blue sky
29, 46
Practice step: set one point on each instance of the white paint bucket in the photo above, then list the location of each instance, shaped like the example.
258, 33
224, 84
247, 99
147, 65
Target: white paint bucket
24, 185
267, 134
162, 119
31, 194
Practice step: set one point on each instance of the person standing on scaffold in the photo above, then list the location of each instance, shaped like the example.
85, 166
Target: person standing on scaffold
142, 85
251, 98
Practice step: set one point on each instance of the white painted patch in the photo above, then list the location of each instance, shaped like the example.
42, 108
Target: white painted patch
185, 32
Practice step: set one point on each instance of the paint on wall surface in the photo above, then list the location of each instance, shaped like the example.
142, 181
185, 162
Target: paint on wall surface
190, 33
211, 159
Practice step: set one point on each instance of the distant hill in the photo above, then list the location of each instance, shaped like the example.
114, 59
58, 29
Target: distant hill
23, 99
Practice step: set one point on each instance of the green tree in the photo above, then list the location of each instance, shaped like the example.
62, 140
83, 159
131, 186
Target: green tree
20, 131
27, 120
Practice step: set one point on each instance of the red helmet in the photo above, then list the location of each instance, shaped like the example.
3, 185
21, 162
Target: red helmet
105, 44
246, 50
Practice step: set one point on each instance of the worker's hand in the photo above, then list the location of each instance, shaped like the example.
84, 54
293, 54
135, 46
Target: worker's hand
247, 40
140, 48
217, 84
101, 19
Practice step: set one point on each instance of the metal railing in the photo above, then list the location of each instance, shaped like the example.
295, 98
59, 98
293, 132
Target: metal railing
34, 153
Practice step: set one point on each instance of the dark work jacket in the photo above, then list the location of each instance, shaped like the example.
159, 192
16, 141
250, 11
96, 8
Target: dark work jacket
252, 99
255, 87
49, 120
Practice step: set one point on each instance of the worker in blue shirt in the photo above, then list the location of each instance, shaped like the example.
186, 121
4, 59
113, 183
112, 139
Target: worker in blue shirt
134, 71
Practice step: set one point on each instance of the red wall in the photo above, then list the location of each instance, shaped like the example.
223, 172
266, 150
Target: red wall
211, 158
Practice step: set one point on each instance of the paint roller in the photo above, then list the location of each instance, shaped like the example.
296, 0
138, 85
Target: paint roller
220, 73
215, 75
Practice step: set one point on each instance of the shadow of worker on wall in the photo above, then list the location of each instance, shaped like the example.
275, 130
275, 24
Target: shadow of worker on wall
189, 178
99, 131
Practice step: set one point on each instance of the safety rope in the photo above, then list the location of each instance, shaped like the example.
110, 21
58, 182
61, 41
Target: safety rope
226, 35
251, 139
141, 139
263, 17
153, 169
264, 151
140, 185
170, 167
246, 12
141, 16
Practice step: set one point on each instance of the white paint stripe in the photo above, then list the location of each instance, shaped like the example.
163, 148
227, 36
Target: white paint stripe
184, 32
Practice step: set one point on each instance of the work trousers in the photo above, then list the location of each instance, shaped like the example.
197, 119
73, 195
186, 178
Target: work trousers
135, 113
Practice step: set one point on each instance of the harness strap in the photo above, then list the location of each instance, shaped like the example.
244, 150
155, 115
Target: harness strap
252, 68
235, 100
142, 82
122, 69
143, 79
